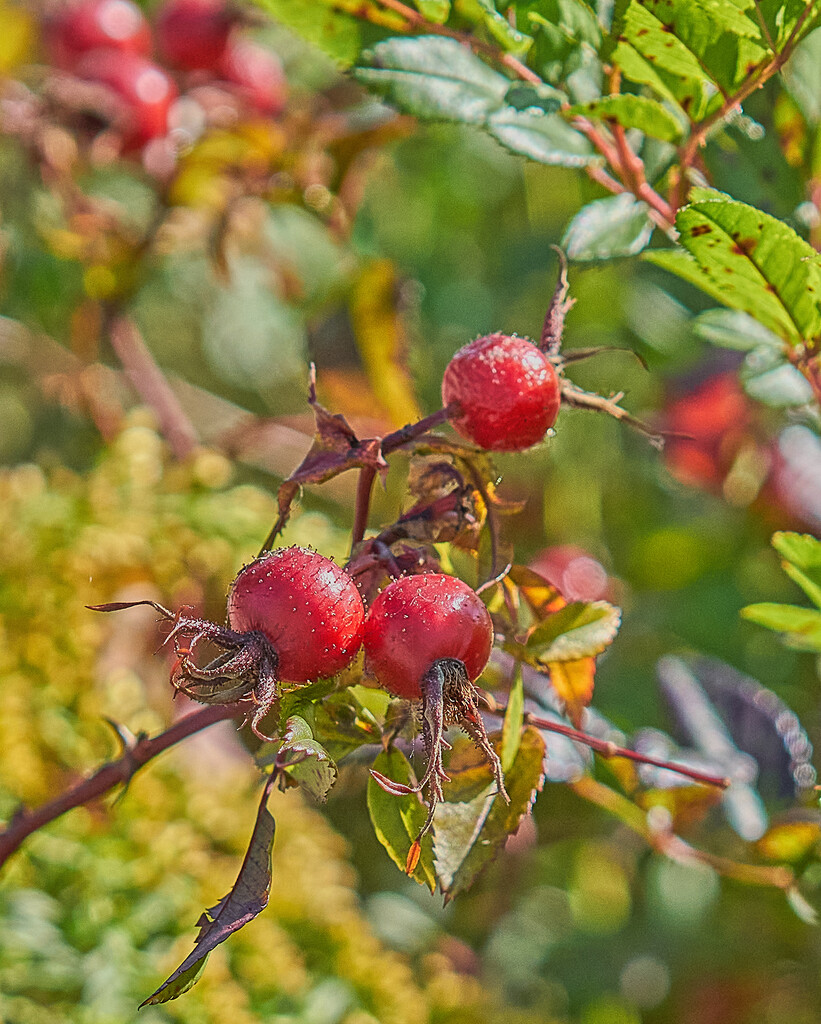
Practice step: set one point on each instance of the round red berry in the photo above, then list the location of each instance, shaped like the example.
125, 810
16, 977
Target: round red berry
147, 91
256, 73
419, 620
507, 392
193, 34
305, 605
91, 24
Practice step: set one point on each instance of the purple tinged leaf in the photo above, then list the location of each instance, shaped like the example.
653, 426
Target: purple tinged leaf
243, 903
394, 788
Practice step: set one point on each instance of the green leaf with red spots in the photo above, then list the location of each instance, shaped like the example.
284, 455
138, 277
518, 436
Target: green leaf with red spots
749, 261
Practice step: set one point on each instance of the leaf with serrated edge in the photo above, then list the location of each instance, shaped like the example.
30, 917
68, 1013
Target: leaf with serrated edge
244, 902
469, 835
544, 138
434, 78
397, 820
749, 261
641, 112
801, 627
615, 226
581, 630
730, 328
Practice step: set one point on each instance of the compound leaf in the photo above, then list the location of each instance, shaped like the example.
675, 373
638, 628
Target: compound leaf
545, 138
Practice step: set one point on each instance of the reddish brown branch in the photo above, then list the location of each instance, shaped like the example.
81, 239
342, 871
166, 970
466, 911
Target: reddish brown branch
390, 443
115, 773
148, 381
608, 749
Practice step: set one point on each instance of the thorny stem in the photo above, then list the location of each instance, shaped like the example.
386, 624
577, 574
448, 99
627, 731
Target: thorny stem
608, 749
114, 773
390, 443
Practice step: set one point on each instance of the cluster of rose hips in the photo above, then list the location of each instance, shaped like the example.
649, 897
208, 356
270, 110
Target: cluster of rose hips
160, 84
293, 615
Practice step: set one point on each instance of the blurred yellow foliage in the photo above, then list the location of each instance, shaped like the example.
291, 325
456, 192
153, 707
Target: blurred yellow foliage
101, 904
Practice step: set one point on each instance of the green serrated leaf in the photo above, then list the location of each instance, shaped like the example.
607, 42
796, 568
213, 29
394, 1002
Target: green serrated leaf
615, 226
514, 717
768, 377
641, 112
435, 78
672, 60
734, 329
801, 626
545, 138
397, 820
301, 757
469, 835
749, 261
580, 630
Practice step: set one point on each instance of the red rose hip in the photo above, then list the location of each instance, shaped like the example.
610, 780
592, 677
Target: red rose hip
292, 614
417, 621
429, 637
305, 605
506, 390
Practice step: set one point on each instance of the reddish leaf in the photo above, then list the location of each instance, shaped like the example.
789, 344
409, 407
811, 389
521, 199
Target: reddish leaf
248, 898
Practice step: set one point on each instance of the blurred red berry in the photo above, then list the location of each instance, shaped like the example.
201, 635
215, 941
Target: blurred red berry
257, 73
193, 34
573, 572
93, 24
147, 90
715, 417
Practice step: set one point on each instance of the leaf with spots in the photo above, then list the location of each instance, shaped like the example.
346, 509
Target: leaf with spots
248, 898
642, 112
749, 261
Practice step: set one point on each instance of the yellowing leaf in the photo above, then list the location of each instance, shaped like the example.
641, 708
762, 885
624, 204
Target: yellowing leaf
381, 340
573, 681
